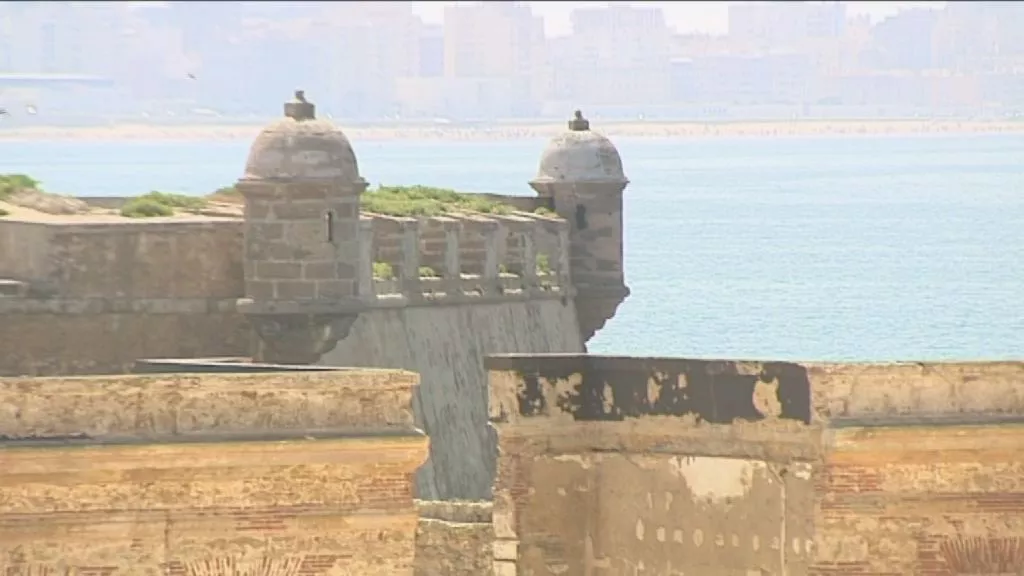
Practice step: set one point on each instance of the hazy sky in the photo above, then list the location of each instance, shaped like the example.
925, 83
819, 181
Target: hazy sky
710, 17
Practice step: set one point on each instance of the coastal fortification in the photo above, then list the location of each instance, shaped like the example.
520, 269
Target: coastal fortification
309, 274
237, 449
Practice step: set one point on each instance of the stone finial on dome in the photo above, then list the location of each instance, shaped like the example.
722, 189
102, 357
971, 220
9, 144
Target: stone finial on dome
579, 123
300, 146
580, 155
299, 108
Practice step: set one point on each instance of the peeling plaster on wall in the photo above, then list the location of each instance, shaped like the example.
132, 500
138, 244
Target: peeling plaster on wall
716, 479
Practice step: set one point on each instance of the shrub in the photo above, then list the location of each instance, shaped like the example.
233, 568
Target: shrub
4, 213
11, 183
426, 201
543, 264
383, 271
428, 272
160, 204
179, 201
145, 208
227, 194
544, 211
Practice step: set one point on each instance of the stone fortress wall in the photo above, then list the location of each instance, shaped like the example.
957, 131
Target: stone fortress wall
91, 294
169, 285
594, 465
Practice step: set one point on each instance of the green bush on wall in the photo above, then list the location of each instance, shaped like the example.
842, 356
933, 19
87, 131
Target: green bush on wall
426, 201
543, 264
157, 204
383, 271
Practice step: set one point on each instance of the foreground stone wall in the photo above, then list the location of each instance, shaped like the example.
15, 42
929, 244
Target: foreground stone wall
655, 467
668, 466
922, 472
454, 539
278, 473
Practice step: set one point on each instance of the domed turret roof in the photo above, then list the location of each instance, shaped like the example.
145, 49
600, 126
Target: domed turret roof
579, 155
299, 146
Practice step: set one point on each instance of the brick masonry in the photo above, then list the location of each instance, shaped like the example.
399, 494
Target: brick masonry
213, 474
454, 539
719, 467
931, 501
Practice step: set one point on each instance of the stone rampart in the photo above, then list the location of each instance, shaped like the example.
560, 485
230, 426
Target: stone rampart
722, 467
159, 258
90, 294
94, 294
454, 539
285, 472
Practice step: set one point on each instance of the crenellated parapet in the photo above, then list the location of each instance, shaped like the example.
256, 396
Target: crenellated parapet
404, 260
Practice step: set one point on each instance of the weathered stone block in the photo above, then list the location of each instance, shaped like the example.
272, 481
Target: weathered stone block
257, 209
295, 290
454, 539
299, 210
335, 289
278, 270
263, 231
260, 289
324, 270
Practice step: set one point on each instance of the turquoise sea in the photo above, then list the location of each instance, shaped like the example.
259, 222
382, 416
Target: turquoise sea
810, 248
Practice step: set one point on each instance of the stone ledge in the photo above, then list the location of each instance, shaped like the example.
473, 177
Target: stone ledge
84, 521
311, 451
102, 224
95, 306
874, 447
724, 391
344, 475
89, 306
664, 436
468, 512
178, 406
402, 301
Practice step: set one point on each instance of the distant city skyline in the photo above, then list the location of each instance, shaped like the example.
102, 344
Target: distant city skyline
479, 60
685, 17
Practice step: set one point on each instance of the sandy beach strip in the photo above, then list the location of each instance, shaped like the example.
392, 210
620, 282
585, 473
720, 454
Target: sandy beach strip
198, 133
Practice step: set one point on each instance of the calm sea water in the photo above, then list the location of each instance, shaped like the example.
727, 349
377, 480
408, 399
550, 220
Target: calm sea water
854, 248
